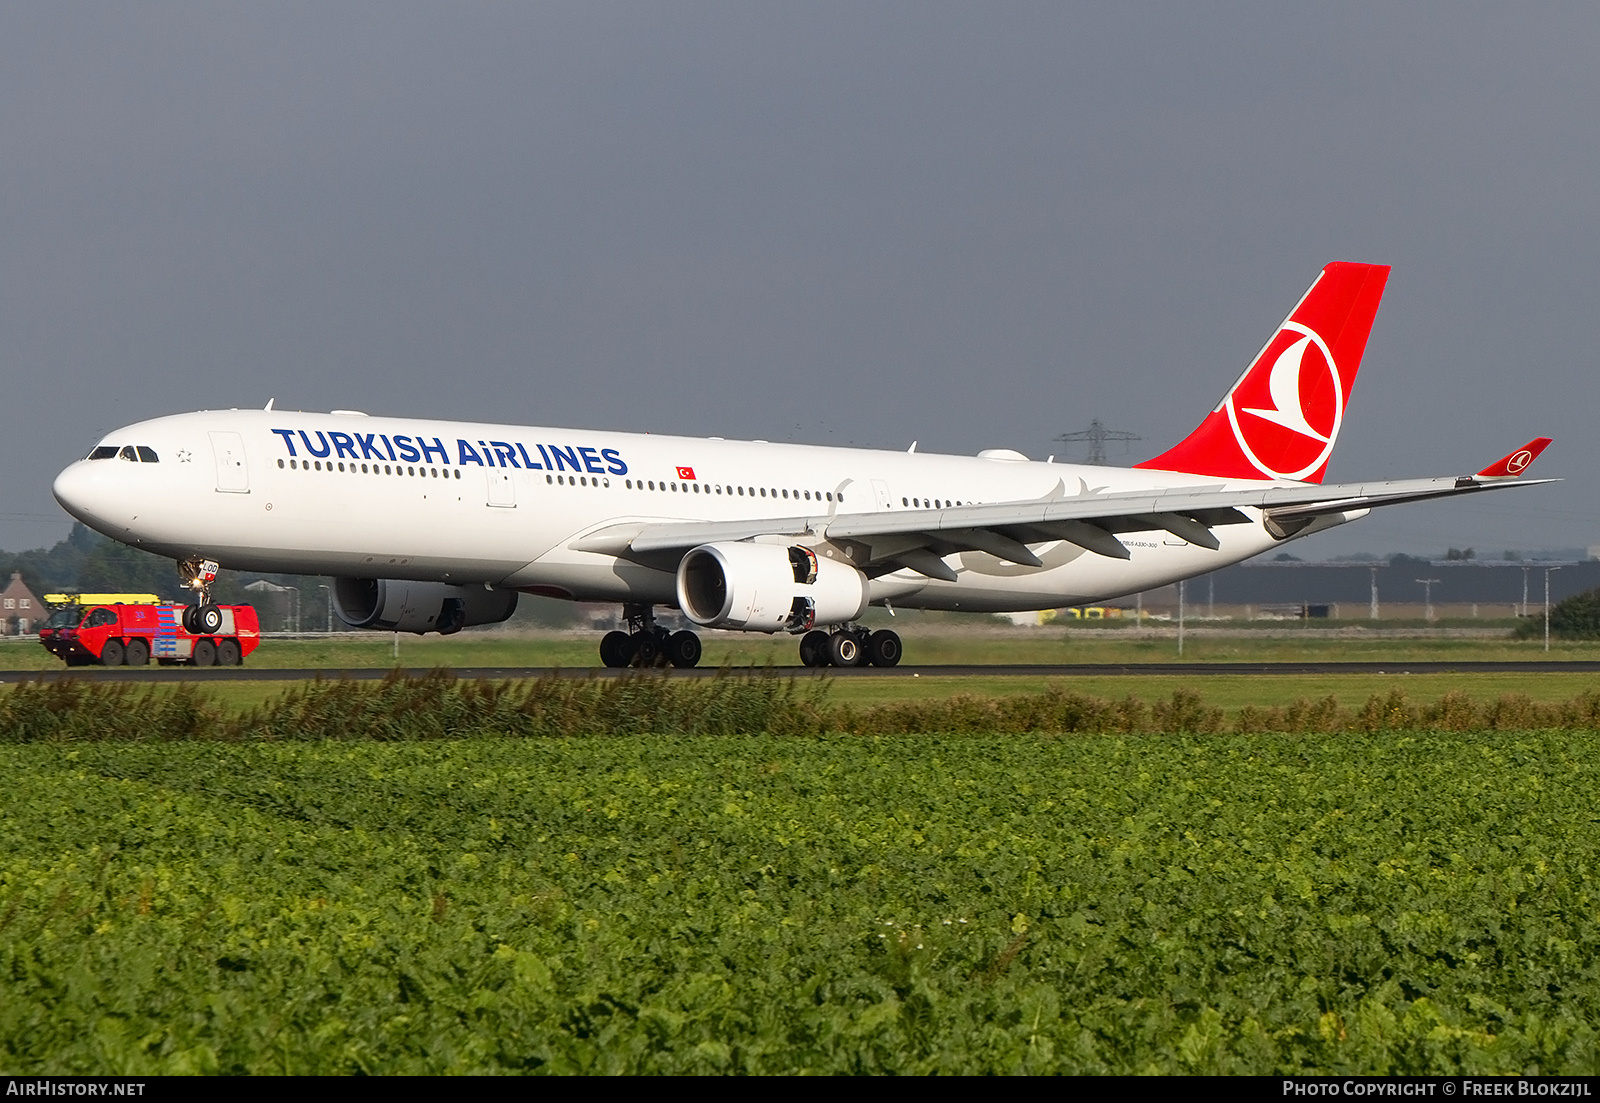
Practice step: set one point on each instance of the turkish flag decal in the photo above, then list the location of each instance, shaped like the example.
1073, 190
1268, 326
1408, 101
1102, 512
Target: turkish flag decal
686, 473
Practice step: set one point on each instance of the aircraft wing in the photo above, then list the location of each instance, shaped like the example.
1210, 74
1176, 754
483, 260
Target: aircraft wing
918, 539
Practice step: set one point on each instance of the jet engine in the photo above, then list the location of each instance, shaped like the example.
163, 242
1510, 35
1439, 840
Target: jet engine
767, 588
393, 605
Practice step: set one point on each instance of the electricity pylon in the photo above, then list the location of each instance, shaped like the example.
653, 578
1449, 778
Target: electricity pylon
1097, 435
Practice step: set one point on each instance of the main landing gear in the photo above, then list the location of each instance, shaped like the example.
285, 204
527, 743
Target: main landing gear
647, 644
849, 645
202, 618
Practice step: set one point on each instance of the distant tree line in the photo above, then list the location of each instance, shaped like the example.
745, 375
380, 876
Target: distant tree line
1576, 618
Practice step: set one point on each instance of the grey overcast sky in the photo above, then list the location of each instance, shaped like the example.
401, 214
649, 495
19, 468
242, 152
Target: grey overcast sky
973, 225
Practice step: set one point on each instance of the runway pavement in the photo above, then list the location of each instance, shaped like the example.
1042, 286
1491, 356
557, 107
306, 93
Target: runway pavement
1067, 670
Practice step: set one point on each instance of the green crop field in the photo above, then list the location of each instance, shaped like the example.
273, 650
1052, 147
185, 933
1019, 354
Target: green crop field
1379, 896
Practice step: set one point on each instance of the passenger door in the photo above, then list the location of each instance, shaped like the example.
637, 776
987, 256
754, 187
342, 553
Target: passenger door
502, 492
233, 477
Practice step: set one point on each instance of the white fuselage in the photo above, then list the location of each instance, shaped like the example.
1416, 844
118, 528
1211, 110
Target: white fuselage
373, 497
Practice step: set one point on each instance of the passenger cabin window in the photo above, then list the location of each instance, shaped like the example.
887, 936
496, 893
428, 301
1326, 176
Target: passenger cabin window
104, 452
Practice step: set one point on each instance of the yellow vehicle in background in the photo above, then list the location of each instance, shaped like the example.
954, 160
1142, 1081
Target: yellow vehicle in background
60, 600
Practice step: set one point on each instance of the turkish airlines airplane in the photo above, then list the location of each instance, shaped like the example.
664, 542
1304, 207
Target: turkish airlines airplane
434, 526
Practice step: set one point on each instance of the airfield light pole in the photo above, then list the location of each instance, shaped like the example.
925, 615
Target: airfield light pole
1372, 607
1427, 597
1547, 571
1180, 618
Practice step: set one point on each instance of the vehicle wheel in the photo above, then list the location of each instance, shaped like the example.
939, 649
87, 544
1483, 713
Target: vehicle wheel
883, 648
138, 653
112, 653
814, 649
646, 649
209, 619
205, 653
616, 649
844, 649
228, 653
683, 649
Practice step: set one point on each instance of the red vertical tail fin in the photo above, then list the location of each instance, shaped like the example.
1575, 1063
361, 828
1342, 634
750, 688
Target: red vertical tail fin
1282, 418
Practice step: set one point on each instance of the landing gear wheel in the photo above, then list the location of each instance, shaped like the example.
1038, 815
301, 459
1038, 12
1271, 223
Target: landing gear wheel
814, 649
138, 653
883, 648
111, 654
205, 653
209, 619
228, 653
844, 649
683, 650
187, 620
616, 649
647, 648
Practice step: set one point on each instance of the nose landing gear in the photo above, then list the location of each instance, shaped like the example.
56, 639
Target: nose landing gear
202, 618
646, 644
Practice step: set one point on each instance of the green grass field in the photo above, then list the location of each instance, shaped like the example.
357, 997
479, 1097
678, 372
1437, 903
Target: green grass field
1414, 903
928, 644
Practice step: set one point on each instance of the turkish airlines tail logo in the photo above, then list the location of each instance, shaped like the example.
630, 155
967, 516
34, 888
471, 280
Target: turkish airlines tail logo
1282, 418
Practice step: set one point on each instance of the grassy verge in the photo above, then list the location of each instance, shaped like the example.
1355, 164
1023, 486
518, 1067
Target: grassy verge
925, 646
439, 706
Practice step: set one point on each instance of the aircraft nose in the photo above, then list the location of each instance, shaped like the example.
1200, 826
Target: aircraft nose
85, 492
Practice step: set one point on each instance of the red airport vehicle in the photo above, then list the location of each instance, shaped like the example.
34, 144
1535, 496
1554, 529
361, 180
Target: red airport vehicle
118, 634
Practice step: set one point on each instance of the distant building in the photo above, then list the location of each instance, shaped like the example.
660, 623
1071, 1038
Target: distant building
20, 611
277, 607
1356, 590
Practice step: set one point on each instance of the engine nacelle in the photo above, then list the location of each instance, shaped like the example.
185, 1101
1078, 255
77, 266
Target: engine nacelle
767, 588
394, 605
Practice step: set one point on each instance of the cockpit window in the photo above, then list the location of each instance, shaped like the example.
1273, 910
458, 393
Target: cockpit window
128, 454
148, 455
103, 452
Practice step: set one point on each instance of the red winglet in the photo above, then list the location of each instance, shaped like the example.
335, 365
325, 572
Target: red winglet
1516, 463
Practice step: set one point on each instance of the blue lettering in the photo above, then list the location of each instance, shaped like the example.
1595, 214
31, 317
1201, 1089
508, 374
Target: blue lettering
430, 449
548, 466
307, 441
614, 458
387, 446
343, 445
368, 452
564, 456
528, 460
591, 461
468, 455
408, 451
288, 439
507, 456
